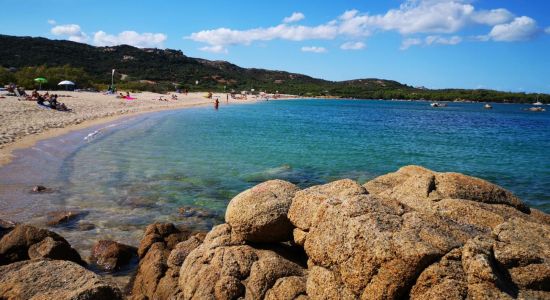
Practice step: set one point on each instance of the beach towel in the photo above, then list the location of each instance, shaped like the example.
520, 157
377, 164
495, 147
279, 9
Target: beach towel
130, 98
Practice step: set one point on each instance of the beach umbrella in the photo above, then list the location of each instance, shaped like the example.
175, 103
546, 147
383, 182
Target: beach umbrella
41, 80
66, 83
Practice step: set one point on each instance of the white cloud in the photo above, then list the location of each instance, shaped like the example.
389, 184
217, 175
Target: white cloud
314, 49
225, 36
413, 17
295, 17
493, 17
132, 38
547, 30
436, 39
214, 49
353, 46
69, 29
52, 22
73, 32
425, 17
520, 29
430, 40
407, 43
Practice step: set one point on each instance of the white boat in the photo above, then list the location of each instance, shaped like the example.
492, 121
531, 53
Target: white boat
437, 104
487, 106
538, 103
538, 109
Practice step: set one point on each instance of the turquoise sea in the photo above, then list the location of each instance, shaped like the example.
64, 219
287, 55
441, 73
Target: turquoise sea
133, 172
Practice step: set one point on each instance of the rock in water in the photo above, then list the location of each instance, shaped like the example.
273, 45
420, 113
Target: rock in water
110, 256
28, 242
53, 279
60, 217
260, 213
39, 189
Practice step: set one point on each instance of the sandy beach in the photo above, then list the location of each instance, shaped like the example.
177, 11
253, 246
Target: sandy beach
25, 122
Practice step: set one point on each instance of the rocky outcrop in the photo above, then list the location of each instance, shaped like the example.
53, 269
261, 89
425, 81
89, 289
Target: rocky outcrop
53, 279
223, 267
260, 213
110, 256
162, 251
414, 234
420, 234
27, 242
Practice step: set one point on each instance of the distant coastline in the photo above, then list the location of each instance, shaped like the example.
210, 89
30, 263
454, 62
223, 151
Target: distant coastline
164, 70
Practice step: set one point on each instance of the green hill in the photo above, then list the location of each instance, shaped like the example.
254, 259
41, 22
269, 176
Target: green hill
160, 70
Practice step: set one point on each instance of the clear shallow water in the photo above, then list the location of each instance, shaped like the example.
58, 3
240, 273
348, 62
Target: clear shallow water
144, 169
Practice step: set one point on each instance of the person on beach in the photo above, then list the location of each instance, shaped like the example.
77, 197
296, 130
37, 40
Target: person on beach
53, 101
216, 104
226, 98
40, 100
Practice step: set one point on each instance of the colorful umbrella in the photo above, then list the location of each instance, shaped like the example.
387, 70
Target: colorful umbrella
41, 80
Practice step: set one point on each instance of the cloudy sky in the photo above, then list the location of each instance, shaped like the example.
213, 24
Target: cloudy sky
499, 44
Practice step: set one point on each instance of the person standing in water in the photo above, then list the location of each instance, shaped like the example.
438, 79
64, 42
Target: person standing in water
216, 103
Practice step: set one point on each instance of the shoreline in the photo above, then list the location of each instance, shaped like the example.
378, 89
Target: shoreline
30, 139
7, 151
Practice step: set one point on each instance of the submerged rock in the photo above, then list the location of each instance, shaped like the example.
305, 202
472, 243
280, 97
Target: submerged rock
83, 226
110, 256
260, 213
53, 279
27, 242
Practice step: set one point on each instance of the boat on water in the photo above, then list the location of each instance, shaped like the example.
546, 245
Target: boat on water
437, 104
536, 109
487, 106
538, 103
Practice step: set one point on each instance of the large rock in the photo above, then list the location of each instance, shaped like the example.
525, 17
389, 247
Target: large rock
415, 183
110, 256
53, 279
26, 242
423, 235
259, 214
157, 275
166, 233
222, 267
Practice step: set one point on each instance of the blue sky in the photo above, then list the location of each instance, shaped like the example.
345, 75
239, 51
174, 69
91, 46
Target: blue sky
502, 44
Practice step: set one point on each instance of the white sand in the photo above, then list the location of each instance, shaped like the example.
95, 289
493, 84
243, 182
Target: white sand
23, 123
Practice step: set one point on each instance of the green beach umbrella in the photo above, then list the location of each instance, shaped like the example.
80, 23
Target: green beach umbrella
40, 80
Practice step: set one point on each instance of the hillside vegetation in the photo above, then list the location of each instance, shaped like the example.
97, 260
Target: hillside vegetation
25, 58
